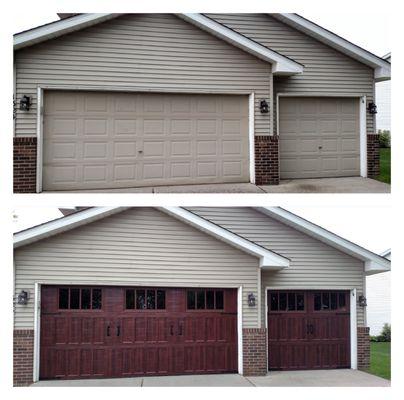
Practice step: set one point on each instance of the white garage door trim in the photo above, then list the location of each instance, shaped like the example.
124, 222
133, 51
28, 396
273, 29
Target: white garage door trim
37, 314
353, 316
39, 124
362, 120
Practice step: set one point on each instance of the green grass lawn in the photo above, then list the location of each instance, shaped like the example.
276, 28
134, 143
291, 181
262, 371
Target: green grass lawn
385, 160
380, 359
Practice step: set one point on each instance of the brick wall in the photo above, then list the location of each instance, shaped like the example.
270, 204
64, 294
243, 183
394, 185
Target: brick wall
373, 156
267, 160
363, 347
23, 357
254, 351
25, 165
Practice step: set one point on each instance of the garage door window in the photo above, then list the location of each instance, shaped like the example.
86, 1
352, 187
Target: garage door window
205, 299
286, 301
145, 299
80, 299
324, 301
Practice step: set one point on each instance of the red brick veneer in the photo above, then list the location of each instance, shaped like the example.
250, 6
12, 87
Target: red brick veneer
23, 357
254, 351
25, 164
363, 347
267, 160
373, 149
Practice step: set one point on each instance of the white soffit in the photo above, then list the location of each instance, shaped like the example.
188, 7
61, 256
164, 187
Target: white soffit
281, 65
381, 67
374, 263
58, 28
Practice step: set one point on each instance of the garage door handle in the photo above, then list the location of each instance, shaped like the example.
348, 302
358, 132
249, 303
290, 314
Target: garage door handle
108, 330
311, 329
180, 330
320, 147
171, 330
118, 330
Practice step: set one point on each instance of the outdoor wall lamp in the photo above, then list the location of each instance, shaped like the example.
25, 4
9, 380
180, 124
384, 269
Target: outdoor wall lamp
22, 297
362, 301
25, 103
372, 108
251, 300
264, 108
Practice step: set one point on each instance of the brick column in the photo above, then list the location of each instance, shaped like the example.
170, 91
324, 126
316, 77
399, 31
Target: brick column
266, 160
23, 357
363, 347
254, 351
25, 164
373, 155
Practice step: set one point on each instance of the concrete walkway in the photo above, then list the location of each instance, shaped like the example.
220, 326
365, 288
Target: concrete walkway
320, 378
329, 185
323, 185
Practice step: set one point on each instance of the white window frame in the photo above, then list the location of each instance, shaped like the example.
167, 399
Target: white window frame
39, 119
37, 311
362, 121
353, 316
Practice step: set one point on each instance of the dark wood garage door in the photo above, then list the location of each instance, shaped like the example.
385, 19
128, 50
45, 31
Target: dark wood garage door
91, 332
308, 330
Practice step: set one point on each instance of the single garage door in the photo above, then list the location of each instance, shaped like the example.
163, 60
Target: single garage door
319, 137
100, 332
308, 330
102, 140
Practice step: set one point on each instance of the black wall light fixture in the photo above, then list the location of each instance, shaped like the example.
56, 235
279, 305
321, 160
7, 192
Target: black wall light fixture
362, 301
25, 103
251, 300
372, 108
22, 297
264, 108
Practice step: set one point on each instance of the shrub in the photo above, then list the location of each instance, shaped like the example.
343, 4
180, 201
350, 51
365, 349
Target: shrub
384, 139
385, 336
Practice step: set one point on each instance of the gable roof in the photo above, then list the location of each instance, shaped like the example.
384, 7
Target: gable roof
281, 65
374, 263
380, 65
268, 259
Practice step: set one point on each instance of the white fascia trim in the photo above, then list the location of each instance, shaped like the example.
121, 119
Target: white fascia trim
374, 263
63, 224
268, 259
280, 65
386, 253
58, 28
381, 68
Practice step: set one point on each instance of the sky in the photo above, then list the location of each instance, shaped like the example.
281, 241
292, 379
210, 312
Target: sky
350, 222
352, 26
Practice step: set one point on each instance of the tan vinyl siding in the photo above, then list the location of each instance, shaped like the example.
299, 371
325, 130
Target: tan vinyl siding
326, 71
313, 263
135, 247
144, 52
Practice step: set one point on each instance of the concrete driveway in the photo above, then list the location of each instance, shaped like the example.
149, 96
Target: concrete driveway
320, 378
323, 185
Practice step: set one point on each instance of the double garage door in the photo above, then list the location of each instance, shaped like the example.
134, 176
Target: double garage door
102, 140
100, 332
308, 330
319, 137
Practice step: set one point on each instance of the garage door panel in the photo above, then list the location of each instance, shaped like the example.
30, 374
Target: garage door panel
315, 334
328, 128
168, 139
118, 338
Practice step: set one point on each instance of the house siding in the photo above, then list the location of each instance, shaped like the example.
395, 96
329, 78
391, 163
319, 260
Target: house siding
326, 70
135, 247
313, 265
140, 52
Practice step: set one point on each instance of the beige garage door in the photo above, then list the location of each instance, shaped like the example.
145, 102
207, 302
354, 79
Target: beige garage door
319, 137
100, 140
